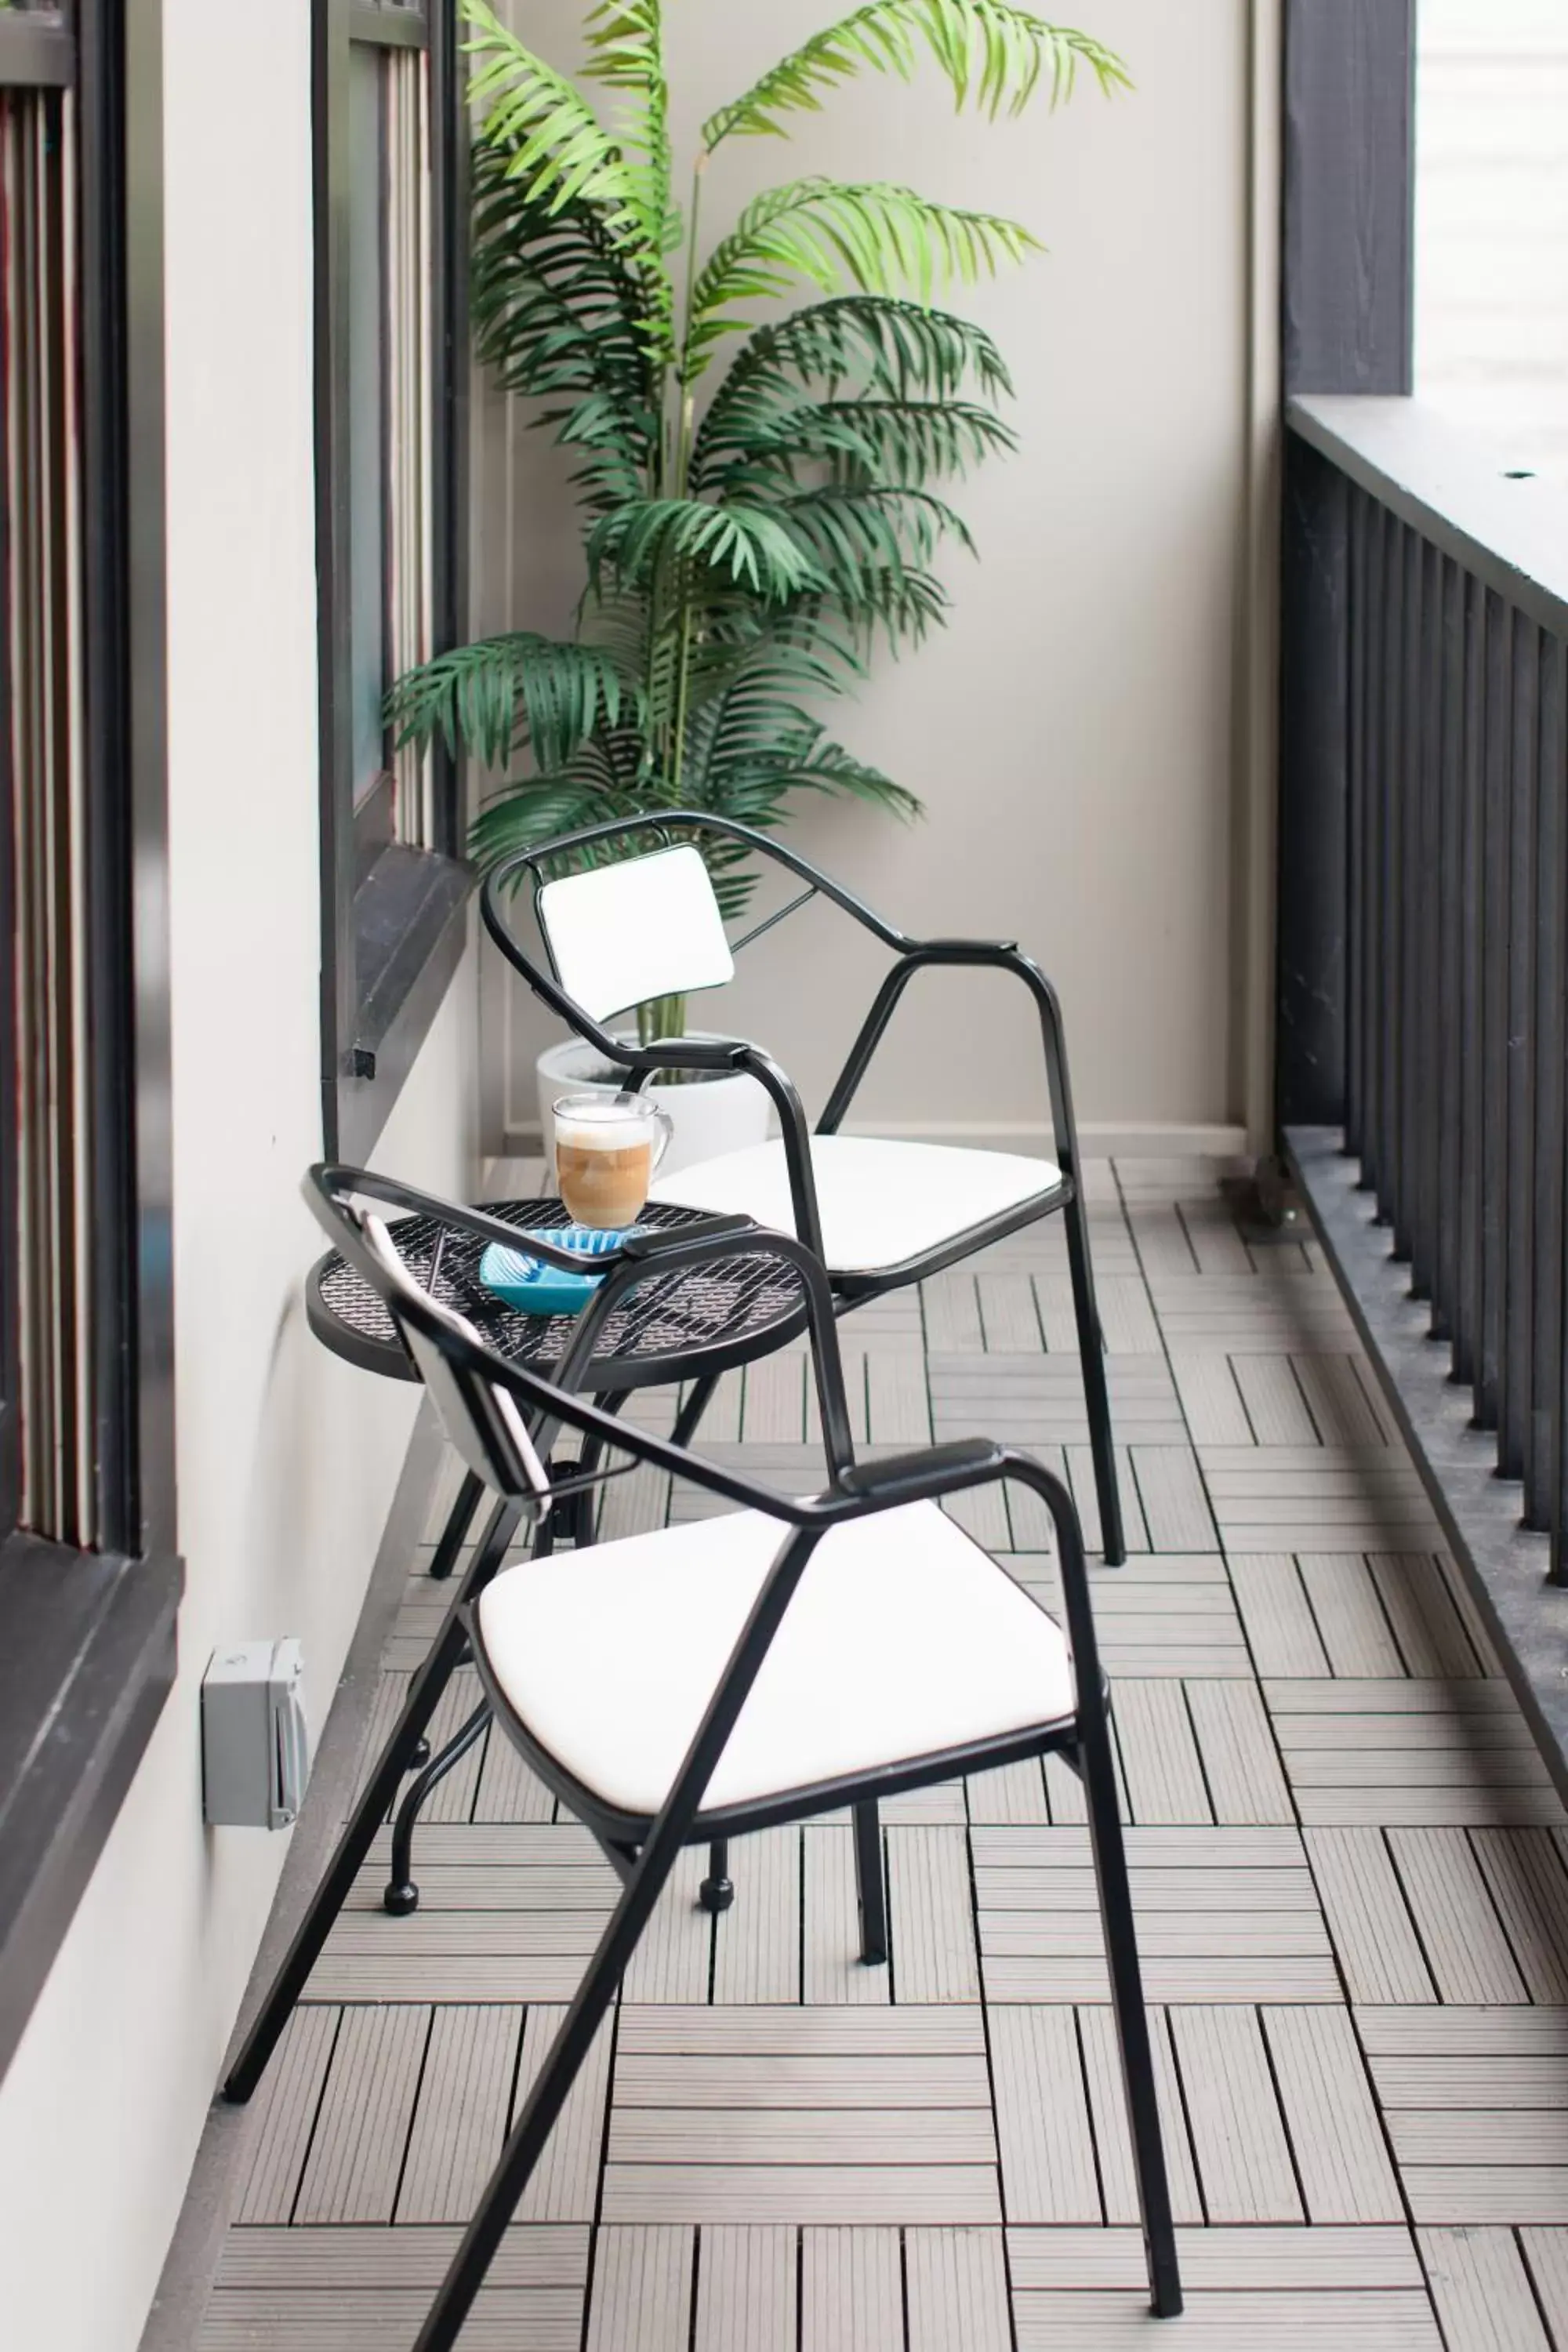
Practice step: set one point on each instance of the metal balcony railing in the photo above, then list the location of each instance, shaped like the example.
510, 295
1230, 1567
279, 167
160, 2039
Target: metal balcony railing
1424, 912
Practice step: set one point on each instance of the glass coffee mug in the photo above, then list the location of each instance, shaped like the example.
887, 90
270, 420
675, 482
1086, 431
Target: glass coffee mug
607, 1147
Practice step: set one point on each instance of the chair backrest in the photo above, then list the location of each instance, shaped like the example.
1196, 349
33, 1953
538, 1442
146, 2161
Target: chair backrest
481, 1420
642, 927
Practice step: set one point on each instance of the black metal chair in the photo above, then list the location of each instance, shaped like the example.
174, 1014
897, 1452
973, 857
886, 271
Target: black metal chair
879, 1213
759, 1668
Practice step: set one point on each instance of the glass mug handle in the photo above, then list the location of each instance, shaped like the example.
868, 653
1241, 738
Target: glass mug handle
664, 1126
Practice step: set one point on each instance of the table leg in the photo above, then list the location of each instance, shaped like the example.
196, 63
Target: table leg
402, 1895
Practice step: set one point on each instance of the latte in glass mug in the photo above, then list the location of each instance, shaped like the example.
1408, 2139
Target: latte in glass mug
606, 1150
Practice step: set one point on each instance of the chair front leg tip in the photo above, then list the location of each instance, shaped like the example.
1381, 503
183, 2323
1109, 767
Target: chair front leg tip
1166, 2301
401, 1900
716, 1895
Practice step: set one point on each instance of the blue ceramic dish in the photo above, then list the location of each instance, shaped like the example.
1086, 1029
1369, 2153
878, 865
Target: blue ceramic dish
539, 1290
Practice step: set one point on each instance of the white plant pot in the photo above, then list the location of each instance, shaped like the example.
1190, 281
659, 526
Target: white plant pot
710, 1115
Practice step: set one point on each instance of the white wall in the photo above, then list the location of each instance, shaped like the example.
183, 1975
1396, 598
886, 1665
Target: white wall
287, 1459
1491, 223
1076, 733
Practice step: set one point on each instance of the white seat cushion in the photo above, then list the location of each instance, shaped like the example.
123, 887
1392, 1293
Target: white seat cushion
903, 1640
882, 1203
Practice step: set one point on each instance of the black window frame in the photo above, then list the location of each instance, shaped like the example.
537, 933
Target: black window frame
394, 919
88, 1638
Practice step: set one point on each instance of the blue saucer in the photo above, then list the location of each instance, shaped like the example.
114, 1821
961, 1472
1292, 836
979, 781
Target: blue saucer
539, 1290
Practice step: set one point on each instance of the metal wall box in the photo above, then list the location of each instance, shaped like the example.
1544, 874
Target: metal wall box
256, 1744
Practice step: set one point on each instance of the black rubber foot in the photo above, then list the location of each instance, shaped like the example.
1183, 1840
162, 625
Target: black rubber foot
420, 1758
873, 1960
401, 1900
716, 1895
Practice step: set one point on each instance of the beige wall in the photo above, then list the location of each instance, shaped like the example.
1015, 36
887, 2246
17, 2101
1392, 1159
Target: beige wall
287, 1459
1079, 735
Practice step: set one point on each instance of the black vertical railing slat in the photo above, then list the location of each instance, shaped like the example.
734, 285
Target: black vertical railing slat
1546, 1249
1518, 1305
1407, 896
1370, 629
1495, 816
1388, 864
1472, 772
1356, 794
1426, 1091
1446, 949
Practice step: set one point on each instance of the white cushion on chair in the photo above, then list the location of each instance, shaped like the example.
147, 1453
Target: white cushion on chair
882, 1203
903, 1640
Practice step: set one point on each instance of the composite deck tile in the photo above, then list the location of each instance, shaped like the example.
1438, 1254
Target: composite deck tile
957, 2290
1332, 1799
460, 2117
831, 1966
381, 2319
1369, 2320
641, 2298
851, 2291
283, 2259
283, 2115
747, 2290
361, 2127
906, 2194
1236, 1743
1281, 2258
1159, 1753
1238, 2133
1460, 1931
1108, 2106
1046, 2141
1211, 1401
1331, 2116
565, 2182
756, 1944
1277, 1614
1175, 1506
1482, 2290
1525, 1877
932, 1916
1546, 2252
1369, 1925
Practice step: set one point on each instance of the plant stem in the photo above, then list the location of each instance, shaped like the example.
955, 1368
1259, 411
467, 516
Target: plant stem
682, 478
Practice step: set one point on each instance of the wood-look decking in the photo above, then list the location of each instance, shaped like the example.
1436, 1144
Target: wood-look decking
1348, 1864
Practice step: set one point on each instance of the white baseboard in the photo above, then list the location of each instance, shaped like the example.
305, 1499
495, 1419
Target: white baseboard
1097, 1138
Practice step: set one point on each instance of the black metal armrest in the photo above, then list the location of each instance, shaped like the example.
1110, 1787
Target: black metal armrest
922, 1477
668, 1241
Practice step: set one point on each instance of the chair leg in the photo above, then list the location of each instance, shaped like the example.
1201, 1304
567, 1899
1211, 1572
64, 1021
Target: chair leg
459, 1521
1131, 2020
692, 1410
444, 2320
401, 1894
1091, 1351
445, 1655
870, 1885
717, 1891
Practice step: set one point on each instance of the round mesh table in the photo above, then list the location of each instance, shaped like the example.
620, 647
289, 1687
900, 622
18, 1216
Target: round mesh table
675, 1326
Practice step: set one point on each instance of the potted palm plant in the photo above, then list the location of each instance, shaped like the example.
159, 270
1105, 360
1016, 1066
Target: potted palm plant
762, 476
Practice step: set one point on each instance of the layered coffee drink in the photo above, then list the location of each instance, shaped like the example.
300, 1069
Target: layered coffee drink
606, 1150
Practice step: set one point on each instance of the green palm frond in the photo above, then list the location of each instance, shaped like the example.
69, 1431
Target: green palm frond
521, 689
887, 346
870, 234
558, 151
996, 56
859, 533
559, 314
648, 537
899, 443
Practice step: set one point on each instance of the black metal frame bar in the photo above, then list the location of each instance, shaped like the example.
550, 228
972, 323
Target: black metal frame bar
851, 1286
392, 937
643, 1850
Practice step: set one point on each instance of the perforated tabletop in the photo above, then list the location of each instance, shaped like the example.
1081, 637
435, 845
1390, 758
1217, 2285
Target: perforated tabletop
675, 1326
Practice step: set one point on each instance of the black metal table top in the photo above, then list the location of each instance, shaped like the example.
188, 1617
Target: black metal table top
675, 1326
